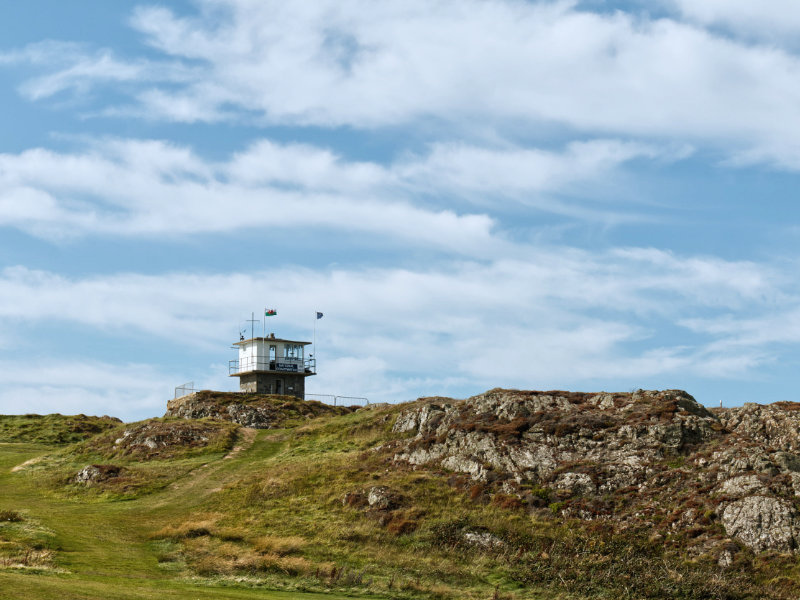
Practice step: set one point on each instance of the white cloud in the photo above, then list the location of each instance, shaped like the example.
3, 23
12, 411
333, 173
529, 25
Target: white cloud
136, 188
80, 69
773, 20
503, 60
505, 65
781, 326
71, 387
304, 166
145, 188
528, 175
563, 315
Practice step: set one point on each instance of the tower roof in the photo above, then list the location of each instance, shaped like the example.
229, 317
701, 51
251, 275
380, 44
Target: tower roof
270, 340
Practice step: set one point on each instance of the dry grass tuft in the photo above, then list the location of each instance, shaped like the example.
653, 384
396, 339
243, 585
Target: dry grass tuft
279, 546
188, 529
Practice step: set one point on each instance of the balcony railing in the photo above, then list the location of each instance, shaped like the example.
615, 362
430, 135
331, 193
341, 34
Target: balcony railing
279, 365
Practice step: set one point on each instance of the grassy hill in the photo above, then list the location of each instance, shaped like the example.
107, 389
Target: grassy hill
52, 429
319, 509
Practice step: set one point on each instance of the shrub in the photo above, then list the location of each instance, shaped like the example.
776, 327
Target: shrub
401, 525
506, 501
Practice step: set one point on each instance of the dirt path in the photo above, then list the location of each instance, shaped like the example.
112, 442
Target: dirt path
207, 478
248, 437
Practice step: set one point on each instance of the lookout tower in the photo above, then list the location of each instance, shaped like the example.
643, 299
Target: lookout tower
270, 365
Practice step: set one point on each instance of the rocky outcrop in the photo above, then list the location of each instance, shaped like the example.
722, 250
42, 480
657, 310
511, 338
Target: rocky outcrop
96, 474
483, 539
763, 523
648, 459
155, 435
380, 497
258, 411
532, 435
776, 426
161, 439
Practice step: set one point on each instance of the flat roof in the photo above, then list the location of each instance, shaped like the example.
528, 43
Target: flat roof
270, 340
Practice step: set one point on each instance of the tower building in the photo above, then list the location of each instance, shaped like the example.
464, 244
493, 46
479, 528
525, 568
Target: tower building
270, 365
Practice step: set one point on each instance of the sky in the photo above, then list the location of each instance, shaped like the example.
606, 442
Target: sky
532, 194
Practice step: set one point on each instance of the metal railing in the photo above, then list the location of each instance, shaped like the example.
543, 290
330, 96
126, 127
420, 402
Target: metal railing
339, 400
283, 365
185, 389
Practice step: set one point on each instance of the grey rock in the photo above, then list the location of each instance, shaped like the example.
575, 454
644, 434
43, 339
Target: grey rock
725, 559
647, 448
483, 539
763, 523
742, 485
577, 483
787, 462
96, 473
382, 498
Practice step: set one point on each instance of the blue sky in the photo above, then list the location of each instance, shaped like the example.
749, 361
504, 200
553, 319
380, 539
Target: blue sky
541, 195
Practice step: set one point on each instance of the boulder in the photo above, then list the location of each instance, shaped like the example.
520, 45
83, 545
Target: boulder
577, 483
763, 523
483, 539
743, 485
380, 497
96, 473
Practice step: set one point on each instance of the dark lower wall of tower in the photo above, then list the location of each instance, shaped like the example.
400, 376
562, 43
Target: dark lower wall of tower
273, 383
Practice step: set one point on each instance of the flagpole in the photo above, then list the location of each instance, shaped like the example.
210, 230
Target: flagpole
263, 339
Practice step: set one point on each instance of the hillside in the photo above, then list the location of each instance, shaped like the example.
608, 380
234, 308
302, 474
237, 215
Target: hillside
52, 429
508, 494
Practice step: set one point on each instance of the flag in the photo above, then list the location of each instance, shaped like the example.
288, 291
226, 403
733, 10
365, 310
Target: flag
270, 313
319, 315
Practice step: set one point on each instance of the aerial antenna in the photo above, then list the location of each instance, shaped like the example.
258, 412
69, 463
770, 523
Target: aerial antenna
252, 320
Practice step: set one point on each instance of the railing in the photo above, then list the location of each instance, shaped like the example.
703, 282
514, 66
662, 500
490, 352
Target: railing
338, 400
283, 365
185, 389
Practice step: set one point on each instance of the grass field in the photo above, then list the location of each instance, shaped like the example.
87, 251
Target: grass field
102, 548
286, 514
264, 519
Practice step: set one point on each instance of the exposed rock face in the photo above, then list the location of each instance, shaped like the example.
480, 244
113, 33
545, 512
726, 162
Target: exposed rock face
483, 539
579, 484
774, 425
635, 459
96, 473
161, 439
259, 411
257, 417
763, 523
530, 435
381, 498
742, 486
155, 435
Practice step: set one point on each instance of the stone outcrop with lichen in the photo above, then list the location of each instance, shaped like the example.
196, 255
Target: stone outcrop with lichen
259, 411
655, 460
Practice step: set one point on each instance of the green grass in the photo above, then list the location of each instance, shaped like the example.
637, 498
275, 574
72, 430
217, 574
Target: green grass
102, 549
52, 429
83, 587
141, 469
286, 517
